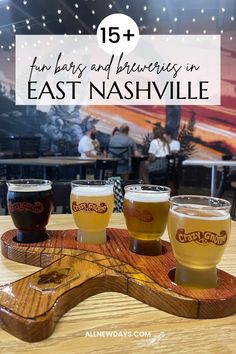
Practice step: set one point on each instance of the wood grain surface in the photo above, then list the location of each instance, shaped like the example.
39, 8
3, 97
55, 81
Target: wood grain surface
117, 312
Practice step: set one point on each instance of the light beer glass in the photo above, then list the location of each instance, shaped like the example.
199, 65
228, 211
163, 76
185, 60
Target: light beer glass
199, 230
146, 210
91, 204
29, 203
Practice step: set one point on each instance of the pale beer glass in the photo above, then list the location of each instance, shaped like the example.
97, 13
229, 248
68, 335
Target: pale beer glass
199, 230
146, 210
91, 204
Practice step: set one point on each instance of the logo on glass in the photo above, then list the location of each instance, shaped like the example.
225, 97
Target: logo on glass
35, 208
202, 238
145, 215
89, 207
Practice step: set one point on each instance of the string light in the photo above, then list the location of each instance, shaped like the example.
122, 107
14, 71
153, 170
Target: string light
157, 19
223, 9
59, 11
27, 21
76, 17
194, 19
110, 6
145, 8
43, 18
76, 5
170, 30
221, 31
163, 9
127, 7
175, 19
141, 19
154, 29
183, 8
231, 38
28, 27
202, 11
232, 18
44, 24
94, 26
213, 18
60, 20
8, 8
204, 31
24, 2
93, 12
187, 31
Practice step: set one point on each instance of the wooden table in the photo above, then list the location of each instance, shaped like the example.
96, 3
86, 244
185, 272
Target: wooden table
213, 164
121, 314
50, 162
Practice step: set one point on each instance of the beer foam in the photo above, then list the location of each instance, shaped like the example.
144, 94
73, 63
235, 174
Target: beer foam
194, 212
29, 188
147, 196
93, 191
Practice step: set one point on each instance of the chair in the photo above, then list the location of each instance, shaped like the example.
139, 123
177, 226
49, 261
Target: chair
233, 207
170, 175
105, 168
226, 177
45, 148
30, 146
61, 195
124, 156
3, 196
8, 147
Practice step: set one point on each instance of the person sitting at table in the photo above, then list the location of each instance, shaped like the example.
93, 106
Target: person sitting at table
173, 144
158, 151
88, 144
123, 147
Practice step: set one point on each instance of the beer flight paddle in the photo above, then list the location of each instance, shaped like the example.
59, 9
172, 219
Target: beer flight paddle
73, 271
77, 264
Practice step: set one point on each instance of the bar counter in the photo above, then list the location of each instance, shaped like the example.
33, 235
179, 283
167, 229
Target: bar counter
136, 327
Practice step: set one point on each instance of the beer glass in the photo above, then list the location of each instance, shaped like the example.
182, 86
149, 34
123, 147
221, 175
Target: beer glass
91, 204
146, 210
199, 230
29, 203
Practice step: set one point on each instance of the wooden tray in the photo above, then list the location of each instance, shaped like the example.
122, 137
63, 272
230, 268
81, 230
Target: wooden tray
72, 272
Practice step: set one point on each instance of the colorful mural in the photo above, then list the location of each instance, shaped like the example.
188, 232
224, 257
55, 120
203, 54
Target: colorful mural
215, 128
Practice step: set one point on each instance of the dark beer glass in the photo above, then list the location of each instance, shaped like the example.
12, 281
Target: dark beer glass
29, 203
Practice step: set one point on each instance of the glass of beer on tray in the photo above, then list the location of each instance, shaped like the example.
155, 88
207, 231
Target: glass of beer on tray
146, 210
91, 204
29, 203
199, 230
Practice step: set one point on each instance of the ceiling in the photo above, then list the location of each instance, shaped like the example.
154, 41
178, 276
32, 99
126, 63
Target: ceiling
84, 16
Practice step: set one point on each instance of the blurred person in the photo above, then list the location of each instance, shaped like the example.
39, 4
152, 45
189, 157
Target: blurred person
88, 144
158, 151
125, 143
173, 144
116, 131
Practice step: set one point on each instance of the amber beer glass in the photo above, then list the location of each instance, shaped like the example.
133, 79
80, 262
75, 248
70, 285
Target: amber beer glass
199, 230
92, 204
146, 210
29, 203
